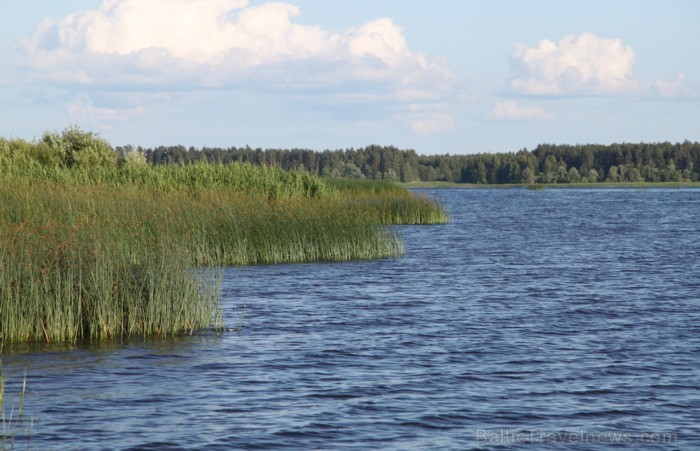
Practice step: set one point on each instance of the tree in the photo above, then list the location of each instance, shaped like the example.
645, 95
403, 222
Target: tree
635, 175
390, 175
350, 171
613, 175
574, 176
547, 163
527, 176
131, 156
562, 174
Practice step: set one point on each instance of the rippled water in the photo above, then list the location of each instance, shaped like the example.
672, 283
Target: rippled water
566, 318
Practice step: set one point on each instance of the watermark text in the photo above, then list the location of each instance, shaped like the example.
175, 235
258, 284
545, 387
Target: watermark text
580, 436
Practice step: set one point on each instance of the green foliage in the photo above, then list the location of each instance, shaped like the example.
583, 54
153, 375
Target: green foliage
547, 163
387, 203
613, 175
130, 156
365, 186
574, 176
74, 147
98, 261
111, 248
86, 262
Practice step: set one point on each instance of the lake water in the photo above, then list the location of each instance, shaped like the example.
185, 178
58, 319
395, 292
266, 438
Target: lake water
558, 318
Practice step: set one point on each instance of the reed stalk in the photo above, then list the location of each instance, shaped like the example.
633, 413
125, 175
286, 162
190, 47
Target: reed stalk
103, 252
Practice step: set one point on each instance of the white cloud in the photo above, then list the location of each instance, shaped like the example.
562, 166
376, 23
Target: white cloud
577, 65
675, 88
194, 44
511, 110
216, 42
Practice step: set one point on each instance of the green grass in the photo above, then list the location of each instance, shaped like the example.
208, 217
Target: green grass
363, 186
96, 261
103, 252
387, 203
91, 262
273, 183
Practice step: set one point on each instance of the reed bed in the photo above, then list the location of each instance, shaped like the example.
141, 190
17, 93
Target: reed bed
90, 262
364, 186
273, 183
112, 251
395, 209
386, 203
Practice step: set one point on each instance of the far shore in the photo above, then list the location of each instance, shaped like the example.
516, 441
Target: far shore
541, 186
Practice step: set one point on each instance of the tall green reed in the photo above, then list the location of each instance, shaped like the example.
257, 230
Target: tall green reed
80, 263
10, 423
95, 252
99, 261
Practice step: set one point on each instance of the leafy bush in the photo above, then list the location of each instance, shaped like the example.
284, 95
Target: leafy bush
74, 147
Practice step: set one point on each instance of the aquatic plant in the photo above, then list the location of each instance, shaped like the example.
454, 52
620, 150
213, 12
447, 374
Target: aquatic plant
89, 263
387, 203
9, 423
95, 251
102, 261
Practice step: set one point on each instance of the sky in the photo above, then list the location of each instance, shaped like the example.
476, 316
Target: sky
445, 76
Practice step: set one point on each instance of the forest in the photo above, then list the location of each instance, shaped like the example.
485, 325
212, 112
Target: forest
547, 163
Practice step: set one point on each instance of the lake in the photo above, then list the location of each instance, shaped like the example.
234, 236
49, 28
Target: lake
565, 318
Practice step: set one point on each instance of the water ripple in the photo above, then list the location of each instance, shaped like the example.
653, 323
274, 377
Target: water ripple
533, 316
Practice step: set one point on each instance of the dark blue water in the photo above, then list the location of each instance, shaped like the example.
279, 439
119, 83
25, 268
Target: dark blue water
565, 319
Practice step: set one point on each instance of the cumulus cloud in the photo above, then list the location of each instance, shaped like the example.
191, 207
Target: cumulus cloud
582, 64
192, 44
509, 109
678, 88
213, 42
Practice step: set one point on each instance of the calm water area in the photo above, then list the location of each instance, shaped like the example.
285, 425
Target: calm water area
555, 319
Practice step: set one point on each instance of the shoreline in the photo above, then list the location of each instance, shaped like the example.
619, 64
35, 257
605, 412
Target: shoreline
542, 186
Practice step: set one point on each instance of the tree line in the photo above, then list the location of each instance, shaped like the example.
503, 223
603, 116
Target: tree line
547, 163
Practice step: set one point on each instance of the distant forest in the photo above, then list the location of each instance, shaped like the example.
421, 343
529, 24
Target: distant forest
548, 163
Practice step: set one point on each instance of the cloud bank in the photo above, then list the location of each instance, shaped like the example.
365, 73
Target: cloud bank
168, 45
219, 42
582, 64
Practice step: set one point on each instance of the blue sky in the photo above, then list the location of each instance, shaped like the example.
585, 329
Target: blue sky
445, 76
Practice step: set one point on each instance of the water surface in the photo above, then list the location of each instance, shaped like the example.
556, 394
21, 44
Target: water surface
565, 318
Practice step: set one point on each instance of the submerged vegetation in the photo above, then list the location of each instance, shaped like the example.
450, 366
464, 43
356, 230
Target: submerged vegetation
97, 244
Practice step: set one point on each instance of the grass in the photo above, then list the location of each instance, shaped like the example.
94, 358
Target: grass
242, 178
91, 262
364, 186
387, 203
104, 252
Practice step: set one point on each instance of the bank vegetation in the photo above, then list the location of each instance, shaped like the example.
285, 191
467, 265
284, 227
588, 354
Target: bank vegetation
96, 243
546, 164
